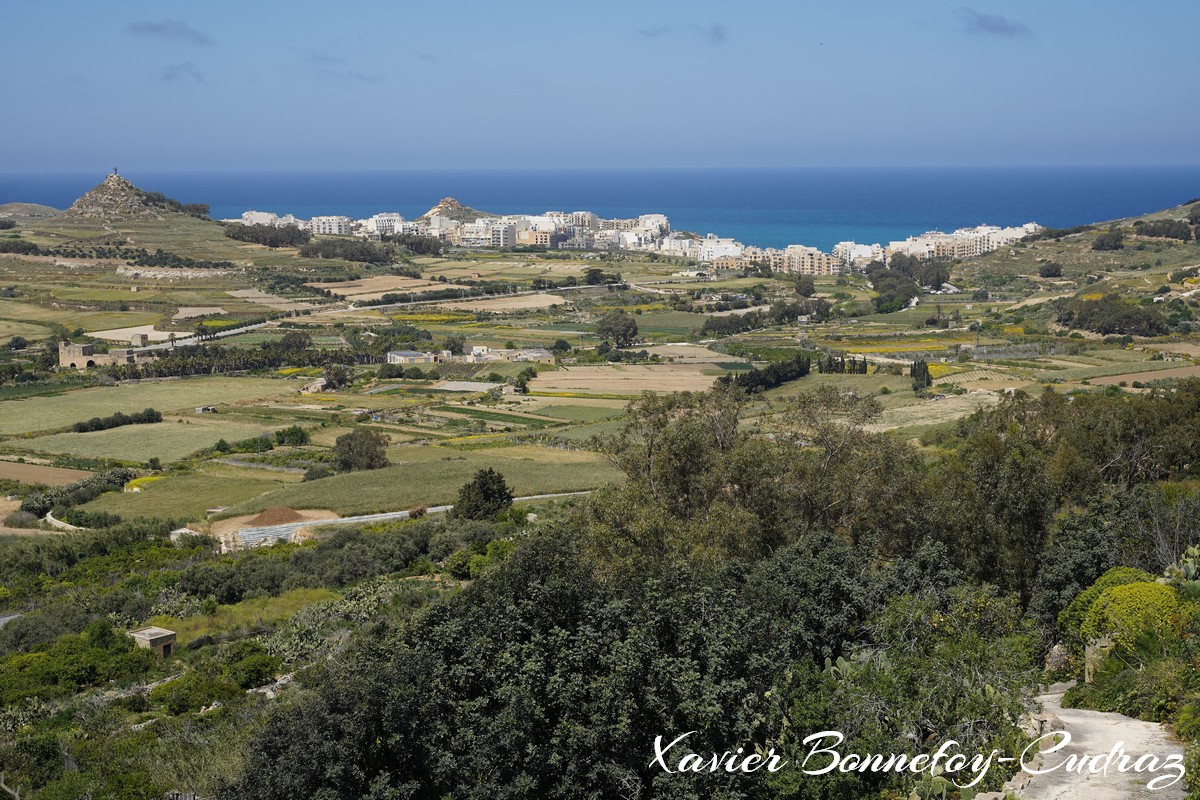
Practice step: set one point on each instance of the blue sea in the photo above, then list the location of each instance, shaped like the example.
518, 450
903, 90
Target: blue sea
764, 207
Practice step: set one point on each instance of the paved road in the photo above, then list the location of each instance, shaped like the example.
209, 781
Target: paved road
250, 537
1096, 733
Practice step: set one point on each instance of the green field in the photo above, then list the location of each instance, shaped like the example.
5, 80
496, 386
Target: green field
49, 413
169, 441
430, 475
187, 496
10, 328
579, 413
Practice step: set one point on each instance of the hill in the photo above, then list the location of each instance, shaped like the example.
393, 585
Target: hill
1146, 259
451, 208
118, 199
24, 212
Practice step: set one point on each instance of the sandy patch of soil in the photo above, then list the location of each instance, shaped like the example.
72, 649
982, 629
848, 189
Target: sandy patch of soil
520, 303
38, 473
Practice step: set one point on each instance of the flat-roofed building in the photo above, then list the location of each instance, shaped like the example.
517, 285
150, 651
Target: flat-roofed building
333, 226
160, 640
410, 357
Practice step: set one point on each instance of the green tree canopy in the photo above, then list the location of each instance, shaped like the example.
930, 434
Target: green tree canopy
486, 495
361, 448
618, 327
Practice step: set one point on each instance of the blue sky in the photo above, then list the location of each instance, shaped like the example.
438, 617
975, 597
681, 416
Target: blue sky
393, 85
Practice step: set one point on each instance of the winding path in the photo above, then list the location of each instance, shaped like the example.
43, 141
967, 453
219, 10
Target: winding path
1095, 733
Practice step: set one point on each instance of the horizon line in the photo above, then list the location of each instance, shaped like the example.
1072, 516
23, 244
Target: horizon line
542, 168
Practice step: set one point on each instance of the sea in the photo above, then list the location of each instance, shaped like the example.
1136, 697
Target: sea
764, 207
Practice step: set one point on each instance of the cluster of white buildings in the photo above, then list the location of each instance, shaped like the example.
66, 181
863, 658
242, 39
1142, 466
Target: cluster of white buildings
962, 243
478, 354
584, 230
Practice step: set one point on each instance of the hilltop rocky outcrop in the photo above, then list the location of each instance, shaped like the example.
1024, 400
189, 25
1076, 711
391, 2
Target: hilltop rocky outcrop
117, 198
451, 208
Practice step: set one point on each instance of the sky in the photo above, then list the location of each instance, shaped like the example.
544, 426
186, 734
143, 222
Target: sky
401, 85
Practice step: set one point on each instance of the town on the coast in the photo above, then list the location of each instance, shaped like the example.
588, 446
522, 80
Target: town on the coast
452, 223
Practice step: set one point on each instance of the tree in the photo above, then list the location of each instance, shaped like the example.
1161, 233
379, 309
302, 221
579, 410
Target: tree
1050, 270
18, 343
293, 436
618, 327
521, 382
295, 341
921, 379
455, 343
805, 286
561, 346
485, 496
360, 449
336, 375
1109, 240
593, 276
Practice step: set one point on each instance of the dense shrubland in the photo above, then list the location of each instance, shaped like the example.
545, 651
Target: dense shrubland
753, 581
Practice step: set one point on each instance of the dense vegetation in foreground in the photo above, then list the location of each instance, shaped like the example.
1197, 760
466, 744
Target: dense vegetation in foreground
751, 584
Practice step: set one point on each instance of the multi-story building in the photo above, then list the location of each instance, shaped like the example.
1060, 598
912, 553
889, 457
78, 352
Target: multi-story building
712, 247
337, 225
384, 224
260, 218
858, 256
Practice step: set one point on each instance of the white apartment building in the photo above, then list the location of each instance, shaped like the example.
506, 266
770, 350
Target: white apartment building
475, 234
260, 218
857, 256
810, 261
585, 220
335, 225
654, 225
384, 224
679, 246
503, 234
712, 247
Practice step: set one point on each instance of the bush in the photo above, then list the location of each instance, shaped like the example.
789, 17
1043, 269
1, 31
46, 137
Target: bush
316, 472
193, 691
21, 519
1165, 229
117, 420
254, 669
88, 519
1125, 612
458, 564
1071, 619
76, 493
